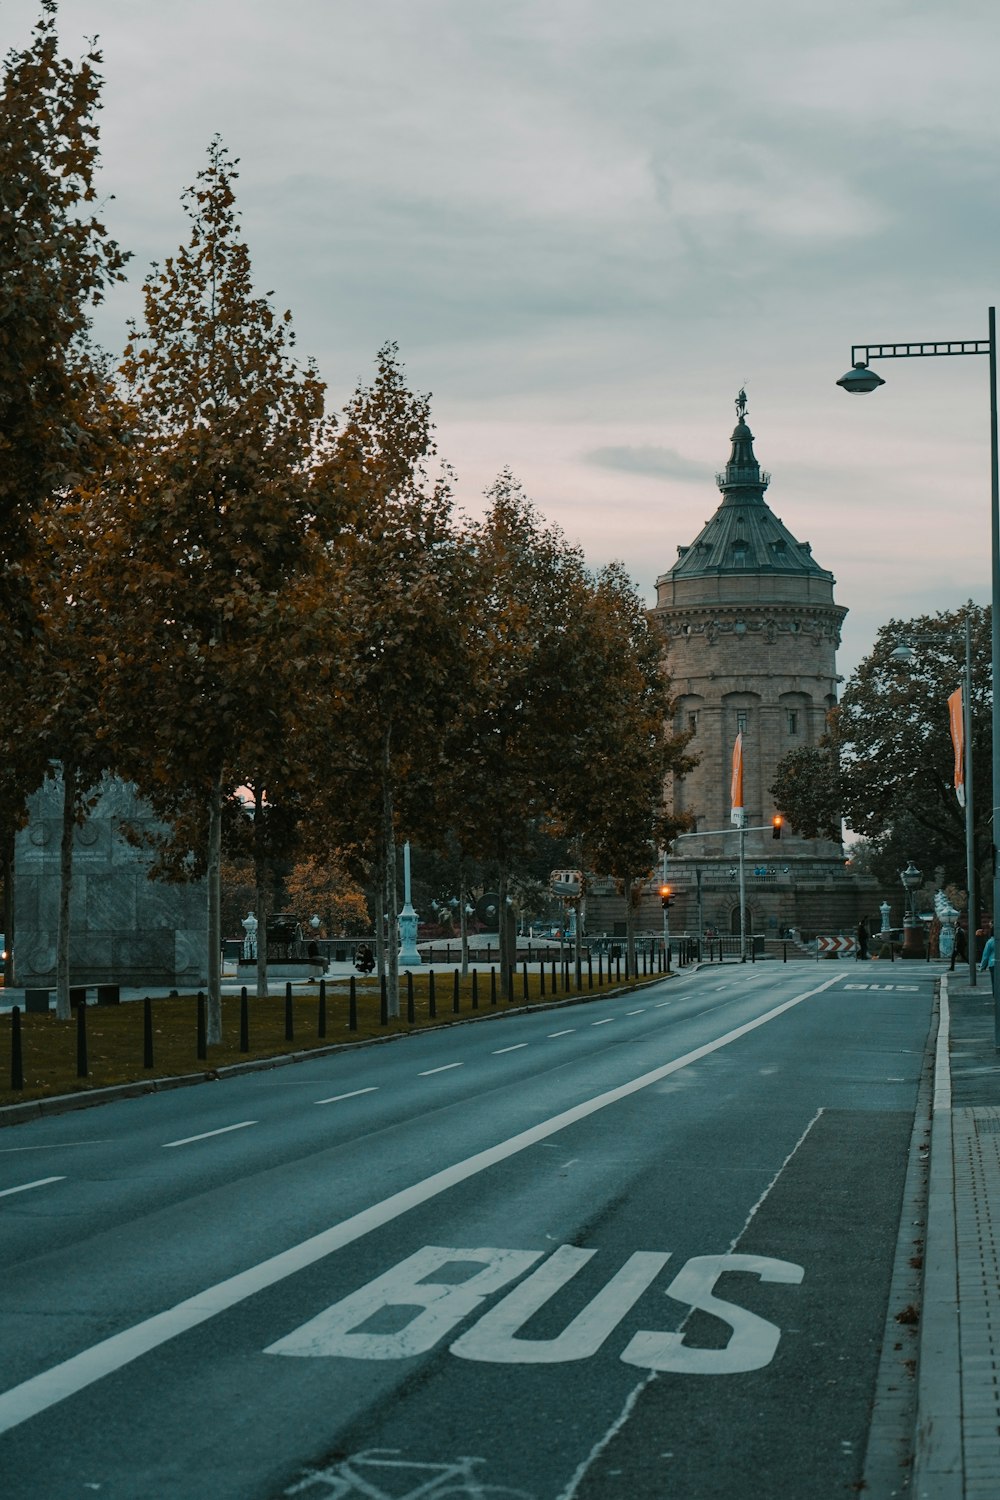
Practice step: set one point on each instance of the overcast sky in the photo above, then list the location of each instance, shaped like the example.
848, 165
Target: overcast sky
588, 224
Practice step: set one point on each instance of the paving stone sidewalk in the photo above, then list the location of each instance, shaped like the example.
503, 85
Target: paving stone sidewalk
957, 1453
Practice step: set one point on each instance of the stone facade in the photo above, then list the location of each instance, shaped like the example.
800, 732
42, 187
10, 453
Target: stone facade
125, 928
751, 630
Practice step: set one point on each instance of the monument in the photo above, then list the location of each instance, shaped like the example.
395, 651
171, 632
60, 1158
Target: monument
751, 629
125, 927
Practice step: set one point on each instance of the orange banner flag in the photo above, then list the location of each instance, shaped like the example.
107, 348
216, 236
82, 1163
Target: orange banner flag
736, 784
956, 719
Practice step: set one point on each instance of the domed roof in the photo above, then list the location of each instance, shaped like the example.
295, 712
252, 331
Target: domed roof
744, 535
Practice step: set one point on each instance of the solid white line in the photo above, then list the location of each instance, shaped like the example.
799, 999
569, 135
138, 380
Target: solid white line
336, 1098
516, 1048
207, 1135
606, 1022
41, 1182
81, 1370
568, 1032
443, 1069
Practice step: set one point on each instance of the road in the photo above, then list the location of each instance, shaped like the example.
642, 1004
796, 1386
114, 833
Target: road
624, 1248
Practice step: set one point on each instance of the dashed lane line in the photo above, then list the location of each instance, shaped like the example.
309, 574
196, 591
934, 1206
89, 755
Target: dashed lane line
26, 1186
442, 1069
516, 1048
606, 1022
354, 1094
567, 1032
207, 1134
636, 1012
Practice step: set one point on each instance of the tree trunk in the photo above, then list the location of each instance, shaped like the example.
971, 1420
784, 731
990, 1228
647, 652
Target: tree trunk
9, 836
214, 1017
69, 775
463, 920
380, 908
502, 928
262, 882
392, 895
629, 927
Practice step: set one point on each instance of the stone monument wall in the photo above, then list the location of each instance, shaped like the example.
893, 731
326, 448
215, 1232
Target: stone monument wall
125, 928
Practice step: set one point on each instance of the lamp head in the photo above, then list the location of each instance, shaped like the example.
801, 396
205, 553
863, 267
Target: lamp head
860, 380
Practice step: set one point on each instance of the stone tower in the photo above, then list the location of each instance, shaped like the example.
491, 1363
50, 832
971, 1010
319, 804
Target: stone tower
751, 630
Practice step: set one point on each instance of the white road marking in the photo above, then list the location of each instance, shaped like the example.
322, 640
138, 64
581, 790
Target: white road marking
516, 1048
661, 1005
636, 1012
606, 1022
354, 1094
81, 1370
562, 1033
207, 1134
442, 1069
57, 1146
25, 1186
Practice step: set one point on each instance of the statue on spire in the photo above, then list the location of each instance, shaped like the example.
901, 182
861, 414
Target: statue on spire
741, 406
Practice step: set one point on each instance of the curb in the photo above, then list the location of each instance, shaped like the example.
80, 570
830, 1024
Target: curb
59, 1104
938, 1465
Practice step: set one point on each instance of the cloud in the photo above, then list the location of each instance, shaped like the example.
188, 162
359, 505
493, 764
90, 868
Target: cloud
659, 463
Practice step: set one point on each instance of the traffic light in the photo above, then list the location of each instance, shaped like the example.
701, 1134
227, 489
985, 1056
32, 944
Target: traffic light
666, 896
777, 823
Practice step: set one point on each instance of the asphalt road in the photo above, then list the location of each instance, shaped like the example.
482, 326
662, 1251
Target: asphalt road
628, 1248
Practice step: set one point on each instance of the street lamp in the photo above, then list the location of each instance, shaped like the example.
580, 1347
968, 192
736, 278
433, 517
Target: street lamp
903, 654
860, 380
911, 878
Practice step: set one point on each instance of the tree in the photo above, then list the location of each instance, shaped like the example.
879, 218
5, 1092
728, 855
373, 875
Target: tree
216, 529
321, 886
400, 585
56, 261
887, 762
615, 793
520, 724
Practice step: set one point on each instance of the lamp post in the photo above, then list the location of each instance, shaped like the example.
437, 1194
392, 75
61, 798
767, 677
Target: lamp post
860, 380
912, 944
903, 654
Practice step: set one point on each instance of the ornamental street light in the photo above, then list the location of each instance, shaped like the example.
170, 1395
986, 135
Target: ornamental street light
860, 380
903, 655
912, 931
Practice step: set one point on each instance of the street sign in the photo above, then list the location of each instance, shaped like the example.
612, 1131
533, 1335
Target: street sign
835, 944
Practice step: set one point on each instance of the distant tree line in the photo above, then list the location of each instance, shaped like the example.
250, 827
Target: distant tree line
215, 588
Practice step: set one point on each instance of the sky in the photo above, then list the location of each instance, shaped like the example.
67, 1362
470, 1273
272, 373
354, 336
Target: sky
587, 225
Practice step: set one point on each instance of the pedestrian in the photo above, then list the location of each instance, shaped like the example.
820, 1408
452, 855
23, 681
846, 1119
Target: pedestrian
986, 962
960, 950
863, 938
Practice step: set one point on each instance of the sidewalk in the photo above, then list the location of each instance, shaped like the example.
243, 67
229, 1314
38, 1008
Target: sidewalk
957, 1454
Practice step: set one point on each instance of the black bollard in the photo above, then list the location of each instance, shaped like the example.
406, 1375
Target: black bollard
475, 989
321, 1015
16, 1055
456, 1003
578, 967
244, 1020
541, 977
81, 1039
784, 953
202, 1026
510, 986
493, 985
618, 969
352, 1006
524, 980
555, 986
411, 1014
432, 1008
289, 1018
147, 1033
383, 1000
600, 970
